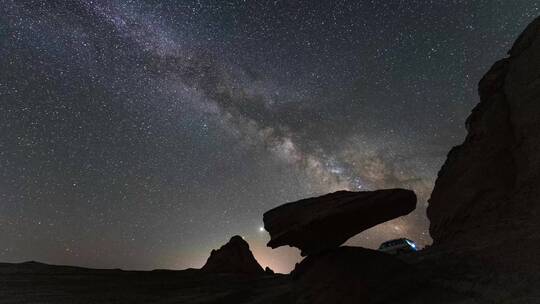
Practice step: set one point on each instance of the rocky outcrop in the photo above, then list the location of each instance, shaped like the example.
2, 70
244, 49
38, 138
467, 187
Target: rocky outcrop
353, 275
321, 223
484, 212
233, 257
269, 271
477, 181
486, 197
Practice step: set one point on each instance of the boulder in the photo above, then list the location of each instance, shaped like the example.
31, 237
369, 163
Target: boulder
321, 223
233, 257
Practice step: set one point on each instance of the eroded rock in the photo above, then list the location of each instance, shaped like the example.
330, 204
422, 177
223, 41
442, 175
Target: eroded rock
321, 223
353, 275
233, 257
486, 195
269, 271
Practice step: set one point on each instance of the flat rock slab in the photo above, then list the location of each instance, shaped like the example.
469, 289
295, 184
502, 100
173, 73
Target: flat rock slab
321, 223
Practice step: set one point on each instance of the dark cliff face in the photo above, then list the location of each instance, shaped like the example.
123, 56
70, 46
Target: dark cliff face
489, 186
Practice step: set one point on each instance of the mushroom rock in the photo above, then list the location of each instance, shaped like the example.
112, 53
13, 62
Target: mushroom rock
321, 223
233, 257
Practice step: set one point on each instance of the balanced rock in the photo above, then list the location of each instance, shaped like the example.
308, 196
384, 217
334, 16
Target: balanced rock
233, 257
321, 223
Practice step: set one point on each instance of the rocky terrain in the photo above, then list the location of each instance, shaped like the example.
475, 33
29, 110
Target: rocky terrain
353, 275
33, 282
484, 213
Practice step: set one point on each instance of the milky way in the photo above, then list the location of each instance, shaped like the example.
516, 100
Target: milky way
142, 134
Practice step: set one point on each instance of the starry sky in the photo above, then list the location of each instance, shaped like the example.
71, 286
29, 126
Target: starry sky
143, 134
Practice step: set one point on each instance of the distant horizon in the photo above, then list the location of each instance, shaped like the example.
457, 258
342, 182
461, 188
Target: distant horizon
86, 267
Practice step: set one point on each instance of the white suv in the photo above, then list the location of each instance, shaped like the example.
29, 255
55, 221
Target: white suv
398, 246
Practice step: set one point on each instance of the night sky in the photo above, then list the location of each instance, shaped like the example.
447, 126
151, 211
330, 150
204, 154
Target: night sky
143, 134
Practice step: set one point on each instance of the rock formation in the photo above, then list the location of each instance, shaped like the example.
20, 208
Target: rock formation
485, 207
484, 212
233, 257
487, 193
269, 271
322, 223
353, 275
